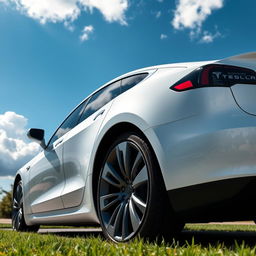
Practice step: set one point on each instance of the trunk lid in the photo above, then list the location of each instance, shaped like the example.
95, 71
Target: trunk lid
244, 92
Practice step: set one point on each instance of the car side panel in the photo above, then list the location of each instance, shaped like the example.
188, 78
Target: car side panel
199, 135
216, 144
78, 146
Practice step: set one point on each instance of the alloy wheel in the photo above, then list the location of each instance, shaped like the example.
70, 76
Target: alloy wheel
123, 191
17, 215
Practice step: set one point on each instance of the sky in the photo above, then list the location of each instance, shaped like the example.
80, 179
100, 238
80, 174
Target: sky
53, 53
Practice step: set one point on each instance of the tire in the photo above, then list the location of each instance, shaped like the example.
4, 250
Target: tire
131, 195
18, 221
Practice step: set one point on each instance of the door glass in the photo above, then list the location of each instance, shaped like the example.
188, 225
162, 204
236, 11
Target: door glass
70, 122
129, 82
101, 98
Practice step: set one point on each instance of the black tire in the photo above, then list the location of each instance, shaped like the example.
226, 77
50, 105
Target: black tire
18, 221
131, 195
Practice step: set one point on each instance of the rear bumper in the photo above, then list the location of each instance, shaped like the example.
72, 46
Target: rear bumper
226, 200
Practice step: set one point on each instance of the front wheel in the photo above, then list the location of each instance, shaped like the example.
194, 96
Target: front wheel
131, 195
18, 221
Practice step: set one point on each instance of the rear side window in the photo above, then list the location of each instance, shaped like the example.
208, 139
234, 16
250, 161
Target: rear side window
129, 82
101, 98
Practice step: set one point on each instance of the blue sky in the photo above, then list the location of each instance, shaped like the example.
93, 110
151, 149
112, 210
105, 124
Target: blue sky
53, 53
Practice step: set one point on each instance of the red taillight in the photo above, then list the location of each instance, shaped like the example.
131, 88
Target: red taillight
183, 86
215, 75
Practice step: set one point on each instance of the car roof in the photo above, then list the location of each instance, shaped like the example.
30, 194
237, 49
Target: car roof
246, 57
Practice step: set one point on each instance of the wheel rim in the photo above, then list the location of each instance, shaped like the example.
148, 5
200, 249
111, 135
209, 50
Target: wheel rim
17, 207
123, 191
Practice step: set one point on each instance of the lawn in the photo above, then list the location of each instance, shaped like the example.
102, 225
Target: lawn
195, 240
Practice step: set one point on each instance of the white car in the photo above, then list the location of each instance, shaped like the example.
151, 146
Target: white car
147, 152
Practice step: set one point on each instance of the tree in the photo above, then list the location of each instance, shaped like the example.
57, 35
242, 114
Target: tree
6, 204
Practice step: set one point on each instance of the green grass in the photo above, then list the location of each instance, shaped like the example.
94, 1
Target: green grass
5, 225
46, 227
197, 227
13, 243
221, 227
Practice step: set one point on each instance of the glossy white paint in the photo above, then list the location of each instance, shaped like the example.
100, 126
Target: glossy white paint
198, 136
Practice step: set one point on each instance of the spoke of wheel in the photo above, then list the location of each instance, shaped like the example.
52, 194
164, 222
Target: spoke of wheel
124, 153
114, 196
109, 170
135, 219
16, 220
138, 160
118, 220
19, 217
125, 231
15, 204
19, 193
138, 202
127, 159
21, 200
113, 216
141, 177
120, 159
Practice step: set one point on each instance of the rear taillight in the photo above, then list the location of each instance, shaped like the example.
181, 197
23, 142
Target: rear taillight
183, 86
215, 75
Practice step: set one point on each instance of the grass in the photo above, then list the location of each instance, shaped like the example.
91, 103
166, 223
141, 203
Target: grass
46, 227
221, 227
12, 243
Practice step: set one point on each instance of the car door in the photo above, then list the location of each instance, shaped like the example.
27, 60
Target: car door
79, 144
47, 177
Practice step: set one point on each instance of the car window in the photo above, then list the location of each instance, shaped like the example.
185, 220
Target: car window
70, 122
101, 98
131, 81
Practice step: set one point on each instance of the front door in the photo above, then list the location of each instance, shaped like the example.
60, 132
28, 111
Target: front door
47, 179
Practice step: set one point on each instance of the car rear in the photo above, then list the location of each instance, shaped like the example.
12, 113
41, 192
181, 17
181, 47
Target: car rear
207, 148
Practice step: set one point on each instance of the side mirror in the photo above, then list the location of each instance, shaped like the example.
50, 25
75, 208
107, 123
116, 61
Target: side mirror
37, 135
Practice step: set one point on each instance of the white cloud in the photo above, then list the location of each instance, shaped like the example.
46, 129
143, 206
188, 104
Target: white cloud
158, 14
86, 32
163, 36
49, 10
69, 10
7, 178
15, 149
112, 10
192, 13
209, 37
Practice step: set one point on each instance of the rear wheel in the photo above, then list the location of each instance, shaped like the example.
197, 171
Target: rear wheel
18, 221
132, 200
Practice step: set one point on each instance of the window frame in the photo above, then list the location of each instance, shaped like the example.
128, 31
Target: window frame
88, 98
100, 90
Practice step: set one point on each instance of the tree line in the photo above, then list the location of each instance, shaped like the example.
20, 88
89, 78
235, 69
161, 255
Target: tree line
6, 204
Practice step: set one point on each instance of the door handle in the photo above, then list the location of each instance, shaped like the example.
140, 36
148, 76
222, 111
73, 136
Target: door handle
99, 114
58, 143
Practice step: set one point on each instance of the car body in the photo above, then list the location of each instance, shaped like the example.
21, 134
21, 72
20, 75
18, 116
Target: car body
197, 121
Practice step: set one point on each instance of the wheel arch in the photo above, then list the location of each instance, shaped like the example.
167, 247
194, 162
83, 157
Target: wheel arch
107, 139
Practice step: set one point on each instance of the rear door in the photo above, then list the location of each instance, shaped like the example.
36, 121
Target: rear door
79, 142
